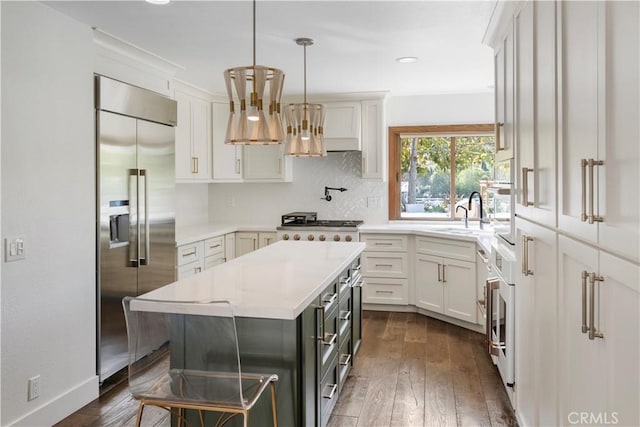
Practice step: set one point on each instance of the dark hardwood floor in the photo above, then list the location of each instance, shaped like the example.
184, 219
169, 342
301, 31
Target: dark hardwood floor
411, 371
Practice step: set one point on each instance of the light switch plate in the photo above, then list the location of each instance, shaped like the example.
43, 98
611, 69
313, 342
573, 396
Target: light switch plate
14, 248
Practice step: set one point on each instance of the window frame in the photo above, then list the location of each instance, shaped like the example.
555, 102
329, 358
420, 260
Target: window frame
394, 149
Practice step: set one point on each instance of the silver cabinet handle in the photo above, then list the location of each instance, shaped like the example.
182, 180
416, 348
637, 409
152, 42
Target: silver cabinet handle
237, 165
198, 269
593, 218
439, 277
345, 315
444, 278
481, 254
334, 388
525, 255
345, 283
584, 327
491, 285
321, 323
583, 181
593, 334
498, 146
134, 219
384, 292
383, 243
384, 265
214, 246
147, 245
332, 339
345, 359
525, 187
329, 299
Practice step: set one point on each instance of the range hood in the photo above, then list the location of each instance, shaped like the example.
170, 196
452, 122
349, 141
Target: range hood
342, 130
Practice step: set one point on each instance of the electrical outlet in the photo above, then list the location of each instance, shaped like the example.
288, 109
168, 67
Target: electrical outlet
14, 248
33, 387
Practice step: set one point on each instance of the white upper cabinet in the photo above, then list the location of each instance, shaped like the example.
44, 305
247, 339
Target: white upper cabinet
193, 136
227, 158
504, 97
599, 150
374, 141
266, 163
342, 126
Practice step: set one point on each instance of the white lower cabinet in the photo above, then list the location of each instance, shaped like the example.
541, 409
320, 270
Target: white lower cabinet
446, 285
229, 246
599, 341
190, 259
249, 241
385, 268
536, 331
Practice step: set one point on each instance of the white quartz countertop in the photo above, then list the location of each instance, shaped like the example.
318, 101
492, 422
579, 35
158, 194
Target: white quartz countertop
277, 282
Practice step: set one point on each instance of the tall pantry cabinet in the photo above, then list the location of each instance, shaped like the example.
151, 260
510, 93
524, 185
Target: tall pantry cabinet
576, 143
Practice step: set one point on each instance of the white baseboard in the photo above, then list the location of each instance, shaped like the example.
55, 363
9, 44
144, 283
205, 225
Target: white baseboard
62, 406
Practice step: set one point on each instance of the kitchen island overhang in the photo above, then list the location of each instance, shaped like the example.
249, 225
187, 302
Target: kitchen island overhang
293, 303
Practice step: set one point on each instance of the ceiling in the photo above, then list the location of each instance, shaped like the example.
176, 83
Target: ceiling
356, 42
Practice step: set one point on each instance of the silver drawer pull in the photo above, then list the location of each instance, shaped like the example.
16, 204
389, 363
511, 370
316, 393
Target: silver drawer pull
215, 246
383, 243
329, 299
384, 265
384, 292
345, 315
186, 254
334, 388
593, 332
332, 339
345, 359
584, 328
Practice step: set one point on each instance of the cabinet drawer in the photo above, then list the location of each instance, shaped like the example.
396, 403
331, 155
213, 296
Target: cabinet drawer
385, 291
329, 392
345, 313
329, 346
214, 246
344, 361
345, 281
448, 248
190, 269
189, 253
329, 296
212, 261
384, 242
385, 264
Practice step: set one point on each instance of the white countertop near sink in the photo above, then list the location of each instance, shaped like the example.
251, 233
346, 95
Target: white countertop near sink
276, 282
457, 231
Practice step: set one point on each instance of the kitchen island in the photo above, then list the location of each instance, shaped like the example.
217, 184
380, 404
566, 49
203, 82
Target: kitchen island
298, 311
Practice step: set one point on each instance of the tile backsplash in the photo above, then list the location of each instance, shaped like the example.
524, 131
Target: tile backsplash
263, 204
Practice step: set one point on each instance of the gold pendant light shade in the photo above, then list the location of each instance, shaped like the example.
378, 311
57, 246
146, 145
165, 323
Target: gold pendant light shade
254, 95
305, 134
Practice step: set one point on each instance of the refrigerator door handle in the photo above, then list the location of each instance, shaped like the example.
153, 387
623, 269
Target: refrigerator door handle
146, 257
134, 236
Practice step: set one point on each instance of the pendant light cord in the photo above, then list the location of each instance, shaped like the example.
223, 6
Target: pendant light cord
305, 74
254, 34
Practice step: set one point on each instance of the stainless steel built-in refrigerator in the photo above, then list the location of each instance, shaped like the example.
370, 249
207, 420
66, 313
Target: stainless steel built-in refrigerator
136, 207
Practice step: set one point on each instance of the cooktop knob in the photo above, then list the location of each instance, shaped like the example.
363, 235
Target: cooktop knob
322, 238
285, 237
296, 237
310, 237
336, 238
348, 238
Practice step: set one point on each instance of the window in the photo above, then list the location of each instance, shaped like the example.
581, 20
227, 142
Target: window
434, 169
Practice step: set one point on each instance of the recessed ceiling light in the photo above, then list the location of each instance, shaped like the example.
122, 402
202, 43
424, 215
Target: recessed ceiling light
158, 1
407, 59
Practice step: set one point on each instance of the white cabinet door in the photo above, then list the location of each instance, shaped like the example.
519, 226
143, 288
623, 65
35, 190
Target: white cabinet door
578, 100
459, 279
229, 246
583, 370
342, 125
504, 93
193, 138
428, 283
266, 238
227, 158
184, 159
267, 163
373, 141
620, 324
619, 146
246, 242
536, 324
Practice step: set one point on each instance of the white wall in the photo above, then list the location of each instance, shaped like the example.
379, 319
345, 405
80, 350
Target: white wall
263, 204
48, 197
192, 205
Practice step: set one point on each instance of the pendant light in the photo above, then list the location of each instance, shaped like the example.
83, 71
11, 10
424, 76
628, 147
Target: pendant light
305, 121
250, 89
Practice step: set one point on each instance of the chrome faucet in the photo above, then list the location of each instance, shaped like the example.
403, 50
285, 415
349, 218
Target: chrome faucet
480, 198
466, 215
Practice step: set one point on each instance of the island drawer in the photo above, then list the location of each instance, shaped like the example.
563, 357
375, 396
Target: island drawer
214, 246
344, 283
329, 391
329, 297
385, 242
329, 345
448, 248
190, 252
385, 264
345, 361
386, 291
345, 314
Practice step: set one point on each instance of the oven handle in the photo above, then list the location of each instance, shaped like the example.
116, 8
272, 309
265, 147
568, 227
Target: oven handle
492, 284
